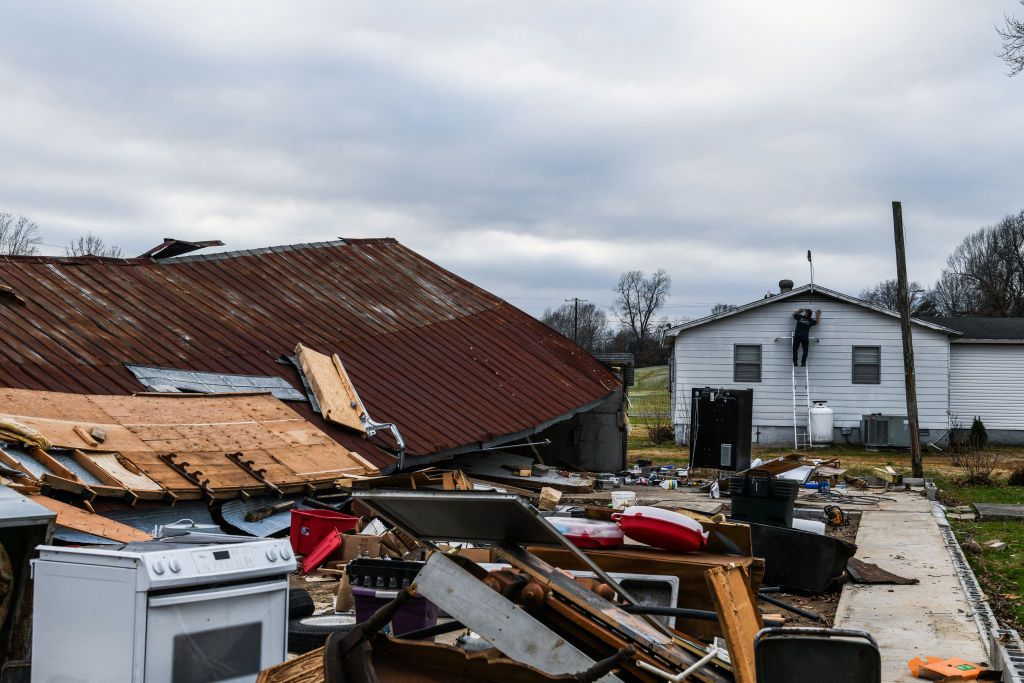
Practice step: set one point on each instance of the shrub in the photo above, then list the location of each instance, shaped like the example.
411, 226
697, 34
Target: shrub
661, 433
1016, 477
979, 435
976, 465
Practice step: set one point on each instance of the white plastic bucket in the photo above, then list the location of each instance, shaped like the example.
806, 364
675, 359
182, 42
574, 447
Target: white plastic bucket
623, 499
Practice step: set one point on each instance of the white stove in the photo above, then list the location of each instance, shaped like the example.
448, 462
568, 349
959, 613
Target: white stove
161, 611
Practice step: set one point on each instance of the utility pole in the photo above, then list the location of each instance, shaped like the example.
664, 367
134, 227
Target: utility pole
909, 376
576, 317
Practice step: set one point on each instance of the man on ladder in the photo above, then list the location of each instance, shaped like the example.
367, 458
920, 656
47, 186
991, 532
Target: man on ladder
802, 333
802, 395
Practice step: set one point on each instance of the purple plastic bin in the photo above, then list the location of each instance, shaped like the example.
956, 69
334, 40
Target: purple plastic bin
417, 613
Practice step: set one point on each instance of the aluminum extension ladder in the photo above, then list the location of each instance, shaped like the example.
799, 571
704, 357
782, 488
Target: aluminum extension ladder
802, 398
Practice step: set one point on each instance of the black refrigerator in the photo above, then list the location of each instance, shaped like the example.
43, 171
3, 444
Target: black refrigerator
720, 427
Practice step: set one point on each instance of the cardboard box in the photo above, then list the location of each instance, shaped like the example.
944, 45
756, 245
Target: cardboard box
357, 545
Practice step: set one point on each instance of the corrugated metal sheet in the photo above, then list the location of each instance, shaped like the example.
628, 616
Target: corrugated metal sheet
148, 517
167, 380
449, 363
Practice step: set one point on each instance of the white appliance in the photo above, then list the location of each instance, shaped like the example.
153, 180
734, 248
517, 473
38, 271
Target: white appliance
160, 611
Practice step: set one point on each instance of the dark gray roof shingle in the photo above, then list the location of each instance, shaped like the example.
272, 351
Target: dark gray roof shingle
1003, 329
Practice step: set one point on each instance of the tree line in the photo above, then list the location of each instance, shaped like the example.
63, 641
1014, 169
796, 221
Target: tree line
983, 276
634, 327
20, 236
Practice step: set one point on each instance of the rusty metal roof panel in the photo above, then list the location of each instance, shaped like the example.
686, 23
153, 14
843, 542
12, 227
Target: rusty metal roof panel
449, 363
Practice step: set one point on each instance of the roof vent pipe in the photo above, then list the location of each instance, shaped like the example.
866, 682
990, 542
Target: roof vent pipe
785, 286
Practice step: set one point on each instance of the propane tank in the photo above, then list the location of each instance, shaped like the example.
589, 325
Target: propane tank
821, 423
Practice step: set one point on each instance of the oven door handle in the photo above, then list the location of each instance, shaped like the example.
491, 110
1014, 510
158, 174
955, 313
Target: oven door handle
217, 594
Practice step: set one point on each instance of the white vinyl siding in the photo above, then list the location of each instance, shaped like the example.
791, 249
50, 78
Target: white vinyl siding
703, 356
867, 364
987, 381
746, 360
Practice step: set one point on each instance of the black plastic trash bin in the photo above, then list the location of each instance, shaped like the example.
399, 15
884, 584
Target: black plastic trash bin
759, 497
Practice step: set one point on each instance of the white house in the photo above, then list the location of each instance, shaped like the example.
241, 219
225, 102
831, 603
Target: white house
986, 374
855, 364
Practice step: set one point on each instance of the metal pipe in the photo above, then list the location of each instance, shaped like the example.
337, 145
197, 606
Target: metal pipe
670, 612
431, 631
693, 668
792, 608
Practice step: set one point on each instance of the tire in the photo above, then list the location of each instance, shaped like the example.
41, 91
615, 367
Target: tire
309, 633
300, 604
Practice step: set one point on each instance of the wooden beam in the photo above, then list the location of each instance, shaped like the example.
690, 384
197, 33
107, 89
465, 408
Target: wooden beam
738, 615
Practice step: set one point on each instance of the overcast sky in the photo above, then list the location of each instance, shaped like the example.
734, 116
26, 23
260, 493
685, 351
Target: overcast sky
535, 148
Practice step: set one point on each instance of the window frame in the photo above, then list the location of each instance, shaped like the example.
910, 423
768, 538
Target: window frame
736, 364
854, 363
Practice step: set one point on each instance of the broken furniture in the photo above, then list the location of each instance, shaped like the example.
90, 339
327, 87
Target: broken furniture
24, 524
811, 655
688, 568
161, 610
560, 610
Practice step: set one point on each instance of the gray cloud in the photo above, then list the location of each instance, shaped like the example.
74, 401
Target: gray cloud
536, 148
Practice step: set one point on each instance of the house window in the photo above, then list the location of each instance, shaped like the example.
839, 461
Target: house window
867, 365
746, 363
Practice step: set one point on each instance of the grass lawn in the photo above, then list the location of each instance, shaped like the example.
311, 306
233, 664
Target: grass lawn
1001, 573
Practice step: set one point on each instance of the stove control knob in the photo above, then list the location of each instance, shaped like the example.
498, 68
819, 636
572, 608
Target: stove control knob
272, 555
286, 554
158, 567
175, 566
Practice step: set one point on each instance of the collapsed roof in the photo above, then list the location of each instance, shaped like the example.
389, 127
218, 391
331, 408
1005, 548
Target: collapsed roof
452, 365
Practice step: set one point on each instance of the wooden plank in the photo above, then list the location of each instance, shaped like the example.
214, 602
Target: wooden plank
334, 392
738, 615
84, 436
81, 520
122, 471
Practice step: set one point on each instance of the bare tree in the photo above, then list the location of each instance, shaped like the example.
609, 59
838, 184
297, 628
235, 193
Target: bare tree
18, 236
985, 273
951, 296
1012, 34
886, 295
91, 245
591, 324
722, 308
639, 298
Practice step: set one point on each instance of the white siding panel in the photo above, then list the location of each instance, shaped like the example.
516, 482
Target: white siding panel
703, 356
987, 380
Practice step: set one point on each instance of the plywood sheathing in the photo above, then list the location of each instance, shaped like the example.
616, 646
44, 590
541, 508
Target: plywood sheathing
165, 441
334, 391
82, 520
